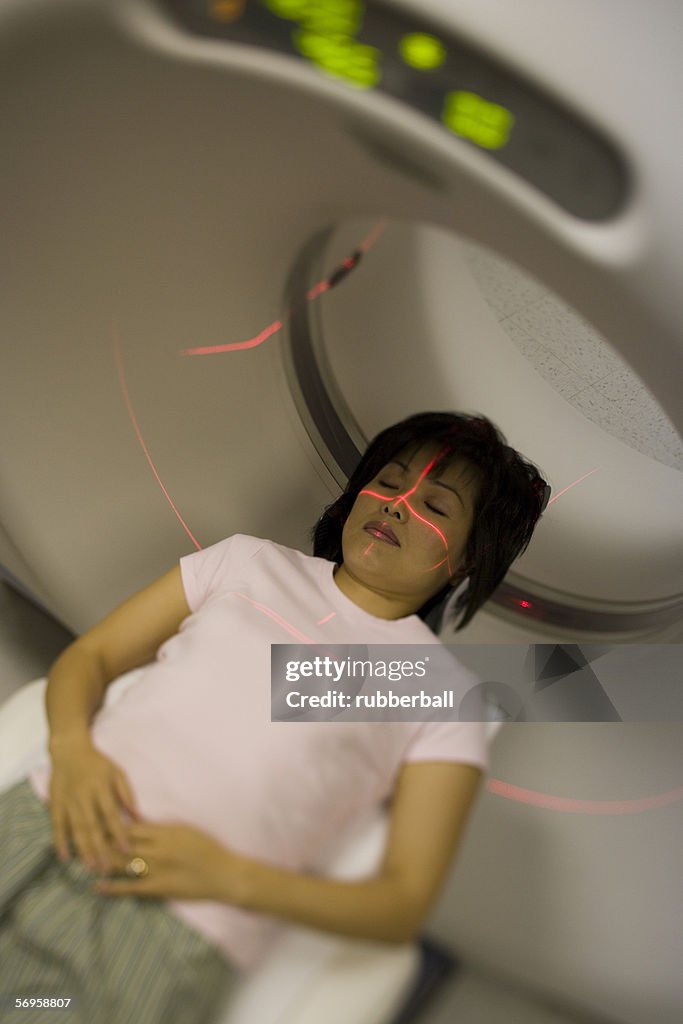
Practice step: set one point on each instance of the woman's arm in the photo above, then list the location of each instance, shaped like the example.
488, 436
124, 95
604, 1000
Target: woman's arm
88, 791
374, 908
429, 811
127, 638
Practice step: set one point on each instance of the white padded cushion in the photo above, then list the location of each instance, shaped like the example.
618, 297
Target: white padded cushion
308, 976
24, 729
23, 733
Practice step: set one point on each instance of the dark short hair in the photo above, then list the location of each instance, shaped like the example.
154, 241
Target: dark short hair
511, 497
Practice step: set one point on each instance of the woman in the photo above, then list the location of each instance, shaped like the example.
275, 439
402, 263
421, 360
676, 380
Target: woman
194, 818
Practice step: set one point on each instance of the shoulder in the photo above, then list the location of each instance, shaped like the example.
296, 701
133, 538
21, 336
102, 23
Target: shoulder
237, 545
247, 556
211, 570
226, 552
273, 552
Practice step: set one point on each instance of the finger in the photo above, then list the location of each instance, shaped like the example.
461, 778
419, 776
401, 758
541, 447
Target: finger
144, 833
111, 839
87, 836
59, 831
80, 839
125, 794
126, 887
118, 862
110, 813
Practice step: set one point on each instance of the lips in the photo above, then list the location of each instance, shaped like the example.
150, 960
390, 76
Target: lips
382, 532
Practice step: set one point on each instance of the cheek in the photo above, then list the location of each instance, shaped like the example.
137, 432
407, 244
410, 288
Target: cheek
436, 535
361, 507
444, 548
356, 517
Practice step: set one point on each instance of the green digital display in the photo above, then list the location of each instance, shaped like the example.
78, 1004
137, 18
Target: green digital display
376, 46
328, 17
420, 50
344, 58
326, 36
486, 124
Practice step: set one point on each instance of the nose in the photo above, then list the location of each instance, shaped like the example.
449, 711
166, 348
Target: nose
394, 508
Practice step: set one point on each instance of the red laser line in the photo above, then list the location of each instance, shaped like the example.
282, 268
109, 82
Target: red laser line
347, 264
375, 494
265, 610
370, 239
573, 485
287, 626
133, 419
496, 786
403, 498
570, 805
323, 286
519, 794
236, 345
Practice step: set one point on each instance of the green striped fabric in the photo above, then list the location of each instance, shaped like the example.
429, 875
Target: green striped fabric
119, 960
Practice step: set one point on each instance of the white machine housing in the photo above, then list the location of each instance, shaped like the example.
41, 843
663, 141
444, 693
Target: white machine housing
162, 191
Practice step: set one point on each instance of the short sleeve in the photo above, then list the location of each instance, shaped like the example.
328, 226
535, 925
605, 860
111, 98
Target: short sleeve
465, 738
213, 570
450, 741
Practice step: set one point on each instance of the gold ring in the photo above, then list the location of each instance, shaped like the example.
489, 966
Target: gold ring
137, 867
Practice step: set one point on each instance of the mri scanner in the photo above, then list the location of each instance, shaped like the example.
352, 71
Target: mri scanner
234, 248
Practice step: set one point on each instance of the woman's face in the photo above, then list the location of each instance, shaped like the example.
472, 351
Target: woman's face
428, 506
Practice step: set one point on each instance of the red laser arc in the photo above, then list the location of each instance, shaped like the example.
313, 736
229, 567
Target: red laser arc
496, 786
344, 268
136, 427
571, 805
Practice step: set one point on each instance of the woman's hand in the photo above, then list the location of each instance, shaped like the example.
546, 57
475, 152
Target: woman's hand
88, 793
184, 863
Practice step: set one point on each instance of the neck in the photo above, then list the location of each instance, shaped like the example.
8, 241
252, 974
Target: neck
381, 605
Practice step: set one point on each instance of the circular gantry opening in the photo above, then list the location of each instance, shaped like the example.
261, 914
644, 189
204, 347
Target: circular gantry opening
409, 318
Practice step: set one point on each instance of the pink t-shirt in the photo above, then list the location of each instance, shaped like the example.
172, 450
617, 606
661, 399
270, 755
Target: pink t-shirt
195, 737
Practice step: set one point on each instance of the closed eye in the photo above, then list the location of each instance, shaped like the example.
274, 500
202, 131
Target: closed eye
393, 487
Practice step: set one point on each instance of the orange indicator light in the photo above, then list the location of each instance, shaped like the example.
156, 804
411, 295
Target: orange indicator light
226, 10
